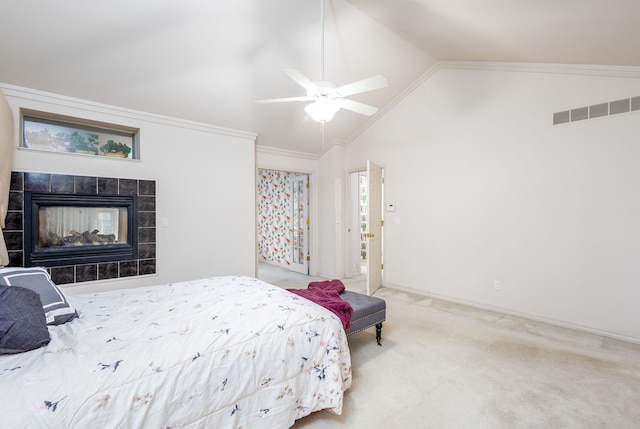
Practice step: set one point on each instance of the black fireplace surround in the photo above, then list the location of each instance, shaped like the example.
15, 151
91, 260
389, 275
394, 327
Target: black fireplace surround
92, 256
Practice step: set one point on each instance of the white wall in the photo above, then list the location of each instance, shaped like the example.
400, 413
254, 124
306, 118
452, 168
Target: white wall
486, 188
205, 185
331, 218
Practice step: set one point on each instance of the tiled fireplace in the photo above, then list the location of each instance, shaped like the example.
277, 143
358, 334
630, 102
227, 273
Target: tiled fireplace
82, 228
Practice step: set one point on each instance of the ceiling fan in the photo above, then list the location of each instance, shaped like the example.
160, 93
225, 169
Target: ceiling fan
327, 98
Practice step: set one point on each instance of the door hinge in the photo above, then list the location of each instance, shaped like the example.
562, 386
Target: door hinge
382, 266
308, 221
308, 258
382, 223
307, 185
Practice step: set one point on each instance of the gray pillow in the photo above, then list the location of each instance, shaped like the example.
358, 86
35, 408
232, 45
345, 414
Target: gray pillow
56, 308
23, 326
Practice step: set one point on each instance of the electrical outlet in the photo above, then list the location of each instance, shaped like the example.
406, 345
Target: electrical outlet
497, 285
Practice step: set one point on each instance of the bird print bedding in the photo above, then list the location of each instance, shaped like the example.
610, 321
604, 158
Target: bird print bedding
223, 352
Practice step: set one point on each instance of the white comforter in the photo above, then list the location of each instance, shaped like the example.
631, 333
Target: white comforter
226, 352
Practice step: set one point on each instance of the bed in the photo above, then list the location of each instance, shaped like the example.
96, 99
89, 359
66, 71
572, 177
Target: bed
224, 352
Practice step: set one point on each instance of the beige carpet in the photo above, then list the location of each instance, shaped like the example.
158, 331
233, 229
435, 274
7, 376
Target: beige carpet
444, 365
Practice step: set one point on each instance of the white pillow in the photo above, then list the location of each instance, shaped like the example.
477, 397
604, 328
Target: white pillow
55, 305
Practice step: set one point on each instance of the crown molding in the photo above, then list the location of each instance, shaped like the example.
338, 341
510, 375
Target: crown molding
85, 105
302, 155
285, 152
332, 143
575, 69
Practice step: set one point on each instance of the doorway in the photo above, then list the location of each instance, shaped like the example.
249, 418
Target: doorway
364, 254
358, 251
283, 219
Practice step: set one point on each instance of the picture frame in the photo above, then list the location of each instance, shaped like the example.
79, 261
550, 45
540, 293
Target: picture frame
58, 133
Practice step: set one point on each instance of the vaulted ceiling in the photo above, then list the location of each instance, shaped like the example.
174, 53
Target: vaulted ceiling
208, 61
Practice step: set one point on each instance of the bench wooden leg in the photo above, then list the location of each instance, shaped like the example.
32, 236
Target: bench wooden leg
379, 333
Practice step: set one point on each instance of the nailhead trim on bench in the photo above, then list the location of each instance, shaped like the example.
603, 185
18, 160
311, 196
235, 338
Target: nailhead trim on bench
365, 317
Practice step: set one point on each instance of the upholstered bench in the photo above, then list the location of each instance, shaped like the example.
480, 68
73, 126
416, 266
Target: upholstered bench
368, 311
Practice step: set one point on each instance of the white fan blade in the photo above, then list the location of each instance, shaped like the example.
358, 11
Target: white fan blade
369, 84
283, 100
301, 79
354, 106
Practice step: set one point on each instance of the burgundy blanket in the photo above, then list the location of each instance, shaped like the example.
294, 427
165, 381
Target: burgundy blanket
327, 294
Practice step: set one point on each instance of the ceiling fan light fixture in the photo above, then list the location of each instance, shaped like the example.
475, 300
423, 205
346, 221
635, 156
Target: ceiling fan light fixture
322, 110
327, 97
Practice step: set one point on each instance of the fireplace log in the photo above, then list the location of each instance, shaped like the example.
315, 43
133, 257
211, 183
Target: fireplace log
76, 238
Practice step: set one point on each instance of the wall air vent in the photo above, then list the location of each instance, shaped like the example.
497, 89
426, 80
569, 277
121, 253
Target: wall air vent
620, 106
579, 114
597, 110
561, 117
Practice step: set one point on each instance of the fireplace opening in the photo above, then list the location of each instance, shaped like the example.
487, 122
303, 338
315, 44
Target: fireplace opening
62, 229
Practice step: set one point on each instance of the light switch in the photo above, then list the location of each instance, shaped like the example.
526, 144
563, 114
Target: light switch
164, 221
391, 207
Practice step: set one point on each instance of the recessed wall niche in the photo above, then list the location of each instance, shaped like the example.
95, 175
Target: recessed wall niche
144, 191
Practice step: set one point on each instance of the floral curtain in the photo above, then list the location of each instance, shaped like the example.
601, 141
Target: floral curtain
6, 161
274, 216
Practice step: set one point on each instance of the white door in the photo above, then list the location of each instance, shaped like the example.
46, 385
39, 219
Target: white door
299, 223
374, 227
